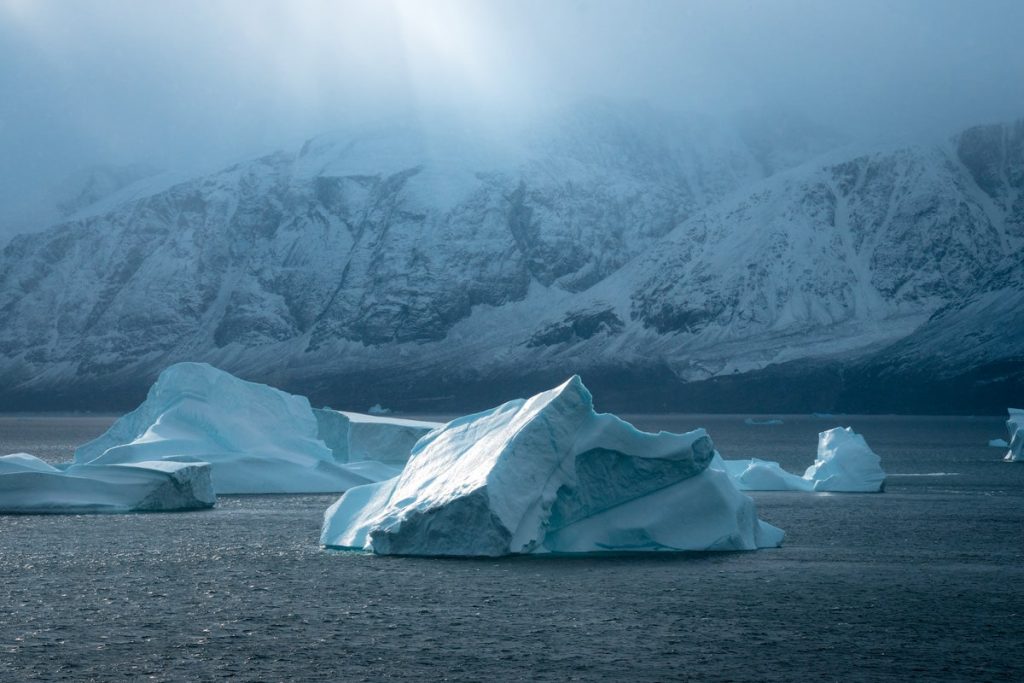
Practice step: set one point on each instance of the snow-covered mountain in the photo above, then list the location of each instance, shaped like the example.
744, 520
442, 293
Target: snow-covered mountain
666, 258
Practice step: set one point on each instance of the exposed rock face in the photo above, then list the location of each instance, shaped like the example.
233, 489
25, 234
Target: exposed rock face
612, 242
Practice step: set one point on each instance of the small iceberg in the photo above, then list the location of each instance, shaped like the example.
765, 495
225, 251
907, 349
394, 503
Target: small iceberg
754, 422
29, 485
378, 409
762, 475
845, 464
1015, 426
998, 443
256, 438
549, 475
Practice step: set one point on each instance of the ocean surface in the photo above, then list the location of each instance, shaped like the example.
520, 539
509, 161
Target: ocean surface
923, 582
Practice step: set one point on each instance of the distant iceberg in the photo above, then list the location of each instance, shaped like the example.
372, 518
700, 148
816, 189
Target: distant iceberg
998, 443
754, 422
549, 475
845, 464
29, 485
378, 409
755, 474
354, 437
1015, 426
257, 439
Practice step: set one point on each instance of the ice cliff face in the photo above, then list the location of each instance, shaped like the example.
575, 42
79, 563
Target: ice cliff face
628, 243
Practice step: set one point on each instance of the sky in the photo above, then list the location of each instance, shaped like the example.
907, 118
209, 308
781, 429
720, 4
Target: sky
190, 85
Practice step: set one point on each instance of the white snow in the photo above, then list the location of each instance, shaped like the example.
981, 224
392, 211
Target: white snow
30, 486
548, 474
1015, 426
845, 464
257, 439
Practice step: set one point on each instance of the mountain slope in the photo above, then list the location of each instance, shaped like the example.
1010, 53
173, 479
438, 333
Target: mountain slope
430, 270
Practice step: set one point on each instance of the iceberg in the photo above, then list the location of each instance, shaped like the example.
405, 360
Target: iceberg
998, 443
354, 437
1015, 426
549, 475
256, 438
770, 422
29, 485
762, 475
845, 464
24, 462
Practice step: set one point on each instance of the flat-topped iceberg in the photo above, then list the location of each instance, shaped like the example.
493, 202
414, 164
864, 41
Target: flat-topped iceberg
845, 464
257, 439
548, 474
29, 485
1015, 426
354, 437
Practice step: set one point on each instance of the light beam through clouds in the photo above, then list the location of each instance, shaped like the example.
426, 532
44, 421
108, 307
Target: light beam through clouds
191, 85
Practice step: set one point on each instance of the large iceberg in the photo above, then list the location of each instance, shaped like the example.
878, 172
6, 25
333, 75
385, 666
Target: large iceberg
1015, 426
258, 439
29, 485
845, 464
548, 474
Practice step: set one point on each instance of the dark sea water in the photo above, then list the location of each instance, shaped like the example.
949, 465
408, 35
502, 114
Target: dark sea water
923, 582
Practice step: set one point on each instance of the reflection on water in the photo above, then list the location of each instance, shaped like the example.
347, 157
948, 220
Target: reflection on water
924, 581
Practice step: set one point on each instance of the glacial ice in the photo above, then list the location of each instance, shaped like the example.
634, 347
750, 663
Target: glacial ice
24, 462
354, 437
762, 475
998, 443
845, 463
1015, 426
549, 475
257, 439
29, 485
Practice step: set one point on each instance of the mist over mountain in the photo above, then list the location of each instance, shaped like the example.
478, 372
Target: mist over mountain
719, 206
673, 260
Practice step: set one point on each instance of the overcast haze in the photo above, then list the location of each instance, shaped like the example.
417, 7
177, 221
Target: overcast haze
187, 85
